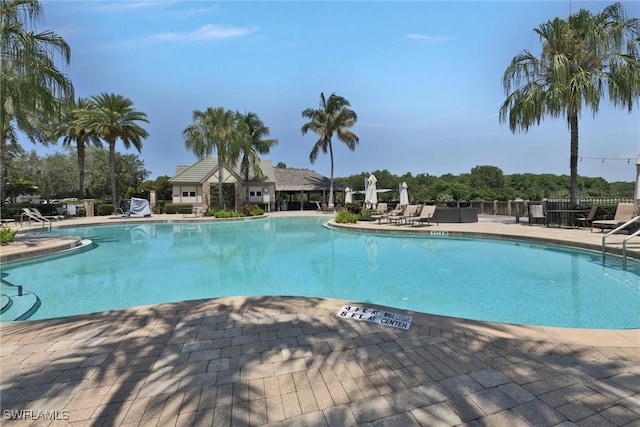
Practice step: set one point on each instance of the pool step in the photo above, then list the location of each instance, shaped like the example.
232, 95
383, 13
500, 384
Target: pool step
15, 304
20, 307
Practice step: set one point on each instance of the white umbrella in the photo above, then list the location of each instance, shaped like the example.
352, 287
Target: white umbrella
370, 194
404, 194
636, 208
347, 195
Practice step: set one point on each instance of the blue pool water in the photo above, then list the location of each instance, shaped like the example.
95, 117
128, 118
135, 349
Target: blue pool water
495, 280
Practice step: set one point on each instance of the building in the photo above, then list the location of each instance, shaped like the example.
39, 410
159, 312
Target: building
279, 189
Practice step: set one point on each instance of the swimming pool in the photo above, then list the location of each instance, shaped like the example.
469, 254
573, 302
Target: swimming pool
483, 279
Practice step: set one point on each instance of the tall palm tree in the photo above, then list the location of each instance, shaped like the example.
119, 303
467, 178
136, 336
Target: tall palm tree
76, 136
111, 117
251, 148
30, 83
215, 129
582, 58
333, 117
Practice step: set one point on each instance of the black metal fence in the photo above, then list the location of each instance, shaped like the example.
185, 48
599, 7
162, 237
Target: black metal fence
521, 207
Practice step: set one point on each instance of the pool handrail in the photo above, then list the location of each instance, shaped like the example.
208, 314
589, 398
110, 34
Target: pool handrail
624, 245
615, 230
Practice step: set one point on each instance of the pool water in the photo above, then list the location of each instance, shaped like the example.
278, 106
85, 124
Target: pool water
483, 279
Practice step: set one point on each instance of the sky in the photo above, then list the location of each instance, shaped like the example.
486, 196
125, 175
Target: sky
424, 77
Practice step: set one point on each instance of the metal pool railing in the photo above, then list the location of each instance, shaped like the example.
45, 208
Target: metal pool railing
614, 231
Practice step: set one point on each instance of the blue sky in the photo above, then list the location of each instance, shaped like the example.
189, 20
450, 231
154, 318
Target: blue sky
424, 78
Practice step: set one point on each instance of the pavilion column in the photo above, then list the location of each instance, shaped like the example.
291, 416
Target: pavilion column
301, 200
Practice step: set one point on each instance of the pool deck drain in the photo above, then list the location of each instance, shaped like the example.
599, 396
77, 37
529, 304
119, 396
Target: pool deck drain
288, 361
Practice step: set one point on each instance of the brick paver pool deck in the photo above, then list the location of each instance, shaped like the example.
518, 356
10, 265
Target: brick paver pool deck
289, 361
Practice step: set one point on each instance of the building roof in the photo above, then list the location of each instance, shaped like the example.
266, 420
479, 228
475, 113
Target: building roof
302, 180
294, 180
201, 170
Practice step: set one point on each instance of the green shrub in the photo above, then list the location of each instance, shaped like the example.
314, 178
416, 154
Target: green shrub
11, 210
175, 208
7, 235
355, 208
252, 210
223, 213
346, 217
104, 209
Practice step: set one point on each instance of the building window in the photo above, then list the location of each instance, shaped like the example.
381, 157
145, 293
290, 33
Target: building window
252, 193
192, 194
185, 194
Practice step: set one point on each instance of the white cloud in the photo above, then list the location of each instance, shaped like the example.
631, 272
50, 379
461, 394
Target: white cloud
207, 32
429, 39
134, 5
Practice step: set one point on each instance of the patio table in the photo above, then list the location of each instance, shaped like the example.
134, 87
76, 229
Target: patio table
566, 216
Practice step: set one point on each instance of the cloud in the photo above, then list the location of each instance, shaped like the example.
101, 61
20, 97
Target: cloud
134, 5
204, 33
428, 39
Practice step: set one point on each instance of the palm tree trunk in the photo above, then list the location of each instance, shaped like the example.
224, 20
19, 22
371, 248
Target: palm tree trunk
80, 171
331, 179
573, 167
220, 181
245, 161
112, 175
3, 164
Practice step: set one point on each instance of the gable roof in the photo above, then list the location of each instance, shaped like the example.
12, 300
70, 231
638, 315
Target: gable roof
201, 170
302, 180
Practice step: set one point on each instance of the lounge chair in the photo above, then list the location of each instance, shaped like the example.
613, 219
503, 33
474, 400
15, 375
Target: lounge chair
324, 207
587, 219
537, 215
30, 215
381, 208
50, 217
394, 212
409, 212
427, 213
624, 213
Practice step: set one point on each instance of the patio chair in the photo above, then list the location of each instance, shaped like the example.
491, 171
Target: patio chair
50, 217
537, 215
624, 213
381, 208
409, 212
427, 213
30, 215
394, 212
587, 219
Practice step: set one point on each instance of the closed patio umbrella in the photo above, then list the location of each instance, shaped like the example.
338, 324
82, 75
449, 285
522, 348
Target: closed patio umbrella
371, 195
348, 198
404, 194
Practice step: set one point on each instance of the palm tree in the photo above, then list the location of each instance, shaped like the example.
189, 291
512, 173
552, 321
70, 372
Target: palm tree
253, 146
582, 58
76, 135
215, 129
333, 116
110, 117
30, 83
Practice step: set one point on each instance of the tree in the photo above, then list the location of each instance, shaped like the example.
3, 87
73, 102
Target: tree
333, 117
74, 134
254, 145
111, 117
30, 83
582, 58
216, 129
